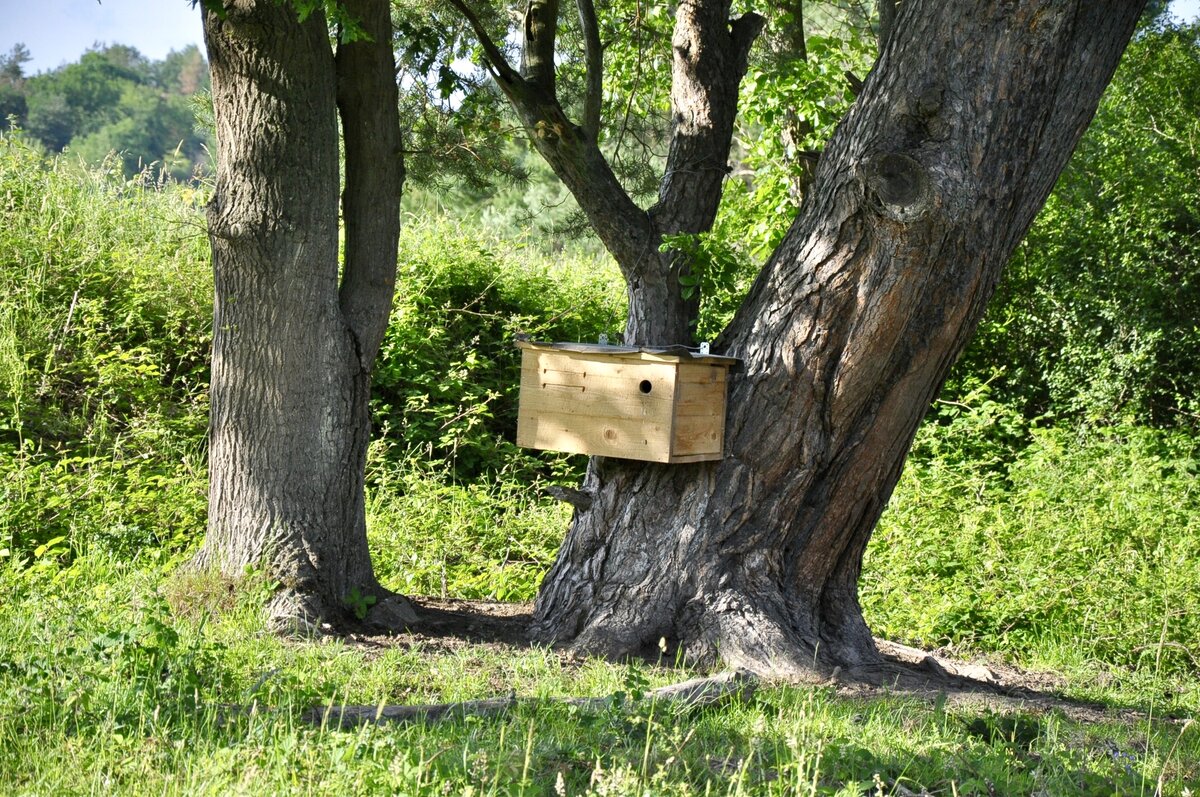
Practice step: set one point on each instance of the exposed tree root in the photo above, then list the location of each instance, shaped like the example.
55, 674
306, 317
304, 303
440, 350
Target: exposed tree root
392, 611
729, 628
682, 697
938, 666
292, 613
295, 613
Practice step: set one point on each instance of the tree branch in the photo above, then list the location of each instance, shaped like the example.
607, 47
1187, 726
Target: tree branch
710, 59
540, 27
594, 57
683, 696
498, 65
573, 155
744, 31
368, 104
887, 21
786, 43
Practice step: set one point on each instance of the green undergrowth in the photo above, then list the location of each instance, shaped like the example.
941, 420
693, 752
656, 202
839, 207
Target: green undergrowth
116, 680
104, 333
105, 327
445, 385
430, 535
1060, 548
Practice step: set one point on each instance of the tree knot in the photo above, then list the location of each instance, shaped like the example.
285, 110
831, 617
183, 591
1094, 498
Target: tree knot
897, 186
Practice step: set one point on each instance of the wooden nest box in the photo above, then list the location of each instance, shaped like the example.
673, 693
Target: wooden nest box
658, 405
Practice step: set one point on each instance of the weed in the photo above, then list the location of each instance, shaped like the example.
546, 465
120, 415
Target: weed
195, 595
359, 603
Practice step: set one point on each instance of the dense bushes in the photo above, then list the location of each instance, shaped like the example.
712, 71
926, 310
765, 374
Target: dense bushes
104, 334
446, 381
103, 357
1081, 543
455, 507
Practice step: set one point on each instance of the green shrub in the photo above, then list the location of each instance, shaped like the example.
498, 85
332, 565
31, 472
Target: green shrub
447, 377
104, 334
1084, 539
105, 323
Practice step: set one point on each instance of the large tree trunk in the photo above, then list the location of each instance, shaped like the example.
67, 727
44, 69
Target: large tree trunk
924, 192
292, 349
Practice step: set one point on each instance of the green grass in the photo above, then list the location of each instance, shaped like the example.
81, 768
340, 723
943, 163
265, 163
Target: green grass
431, 535
103, 689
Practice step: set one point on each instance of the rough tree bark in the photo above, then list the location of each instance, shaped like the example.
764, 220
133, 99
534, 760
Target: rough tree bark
293, 346
925, 190
709, 60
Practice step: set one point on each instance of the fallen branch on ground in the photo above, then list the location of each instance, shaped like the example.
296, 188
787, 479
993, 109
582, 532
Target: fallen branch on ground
683, 697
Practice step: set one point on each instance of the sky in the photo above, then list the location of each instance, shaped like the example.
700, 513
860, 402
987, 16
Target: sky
59, 31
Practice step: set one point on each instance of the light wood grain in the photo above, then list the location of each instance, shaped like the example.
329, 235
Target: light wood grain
632, 405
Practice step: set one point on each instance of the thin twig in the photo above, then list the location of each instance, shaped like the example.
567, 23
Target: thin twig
637, 78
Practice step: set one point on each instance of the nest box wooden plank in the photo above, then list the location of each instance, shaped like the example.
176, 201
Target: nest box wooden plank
658, 405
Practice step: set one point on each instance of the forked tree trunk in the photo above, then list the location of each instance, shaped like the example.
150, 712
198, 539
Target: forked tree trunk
293, 348
924, 192
709, 59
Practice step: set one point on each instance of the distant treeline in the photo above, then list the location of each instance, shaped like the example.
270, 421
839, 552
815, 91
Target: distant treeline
113, 100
